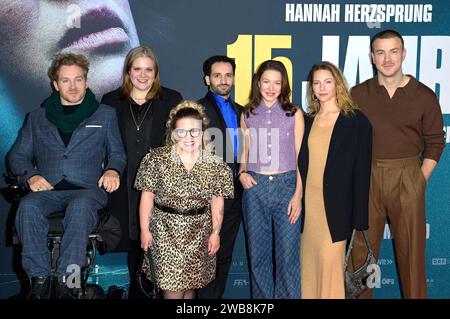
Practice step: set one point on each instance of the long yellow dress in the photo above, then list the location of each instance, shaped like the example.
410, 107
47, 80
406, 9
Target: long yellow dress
322, 261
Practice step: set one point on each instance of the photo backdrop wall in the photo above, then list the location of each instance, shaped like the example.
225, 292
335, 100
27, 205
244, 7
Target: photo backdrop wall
183, 34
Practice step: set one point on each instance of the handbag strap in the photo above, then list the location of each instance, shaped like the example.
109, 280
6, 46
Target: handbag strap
350, 246
152, 274
152, 270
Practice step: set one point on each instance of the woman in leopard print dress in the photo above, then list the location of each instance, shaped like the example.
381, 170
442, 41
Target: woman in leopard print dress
183, 188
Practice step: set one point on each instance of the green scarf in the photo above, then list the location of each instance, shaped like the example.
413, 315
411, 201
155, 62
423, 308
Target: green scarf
67, 123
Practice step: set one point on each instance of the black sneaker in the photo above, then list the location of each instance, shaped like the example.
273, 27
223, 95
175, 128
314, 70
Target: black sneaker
40, 287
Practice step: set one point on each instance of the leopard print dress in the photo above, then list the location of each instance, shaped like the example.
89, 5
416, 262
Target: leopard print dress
180, 242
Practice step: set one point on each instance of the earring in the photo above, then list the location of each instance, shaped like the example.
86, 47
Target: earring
314, 97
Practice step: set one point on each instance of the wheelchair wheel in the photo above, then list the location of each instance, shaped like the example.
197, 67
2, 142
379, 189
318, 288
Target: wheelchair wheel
93, 292
115, 292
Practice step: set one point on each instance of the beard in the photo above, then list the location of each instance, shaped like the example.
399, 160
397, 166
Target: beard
222, 90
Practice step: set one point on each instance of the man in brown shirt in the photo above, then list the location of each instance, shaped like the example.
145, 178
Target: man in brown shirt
408, 140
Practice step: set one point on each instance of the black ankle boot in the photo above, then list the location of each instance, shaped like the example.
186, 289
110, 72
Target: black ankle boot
40, 287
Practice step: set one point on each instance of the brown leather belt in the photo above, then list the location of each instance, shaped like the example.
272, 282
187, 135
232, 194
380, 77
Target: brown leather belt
190, 212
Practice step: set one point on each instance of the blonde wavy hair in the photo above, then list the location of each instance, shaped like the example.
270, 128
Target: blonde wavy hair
344, 100
189, 109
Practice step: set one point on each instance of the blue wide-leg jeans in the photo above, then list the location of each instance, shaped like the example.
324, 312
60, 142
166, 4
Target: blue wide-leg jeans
265, 212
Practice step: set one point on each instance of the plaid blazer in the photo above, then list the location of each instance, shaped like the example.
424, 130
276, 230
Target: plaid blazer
94, 147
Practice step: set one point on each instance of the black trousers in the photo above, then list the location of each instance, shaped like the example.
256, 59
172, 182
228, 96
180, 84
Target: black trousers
232, 218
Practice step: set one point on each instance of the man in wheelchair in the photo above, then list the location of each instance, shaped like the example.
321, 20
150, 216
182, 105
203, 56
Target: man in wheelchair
69, 153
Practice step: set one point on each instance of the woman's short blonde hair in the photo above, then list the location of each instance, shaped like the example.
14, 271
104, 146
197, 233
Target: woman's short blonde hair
187, 109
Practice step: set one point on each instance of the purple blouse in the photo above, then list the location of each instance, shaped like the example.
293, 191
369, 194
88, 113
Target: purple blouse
272, 145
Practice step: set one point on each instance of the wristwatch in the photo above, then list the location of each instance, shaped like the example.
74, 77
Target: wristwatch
216, 231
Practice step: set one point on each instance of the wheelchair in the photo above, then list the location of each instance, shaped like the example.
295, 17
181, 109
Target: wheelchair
103, 238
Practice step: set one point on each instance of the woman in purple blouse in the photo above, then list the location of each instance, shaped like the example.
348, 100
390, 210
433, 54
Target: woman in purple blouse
273, 131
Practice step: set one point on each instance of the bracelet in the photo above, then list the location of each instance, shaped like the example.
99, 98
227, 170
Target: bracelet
216, 231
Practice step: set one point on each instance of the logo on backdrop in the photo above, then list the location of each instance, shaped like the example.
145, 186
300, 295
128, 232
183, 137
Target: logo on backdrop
366, 13
439, 261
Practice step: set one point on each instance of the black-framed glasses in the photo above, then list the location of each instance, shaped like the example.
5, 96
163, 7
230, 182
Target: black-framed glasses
194, 132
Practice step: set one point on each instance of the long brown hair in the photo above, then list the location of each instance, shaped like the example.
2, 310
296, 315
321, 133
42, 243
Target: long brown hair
127, 86
255, 94
344, 100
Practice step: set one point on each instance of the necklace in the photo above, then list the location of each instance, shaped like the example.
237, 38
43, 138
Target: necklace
138, 126
138, 98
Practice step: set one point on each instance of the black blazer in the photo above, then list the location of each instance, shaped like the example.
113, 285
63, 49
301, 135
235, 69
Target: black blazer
346, 178
217, 121
124, 203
